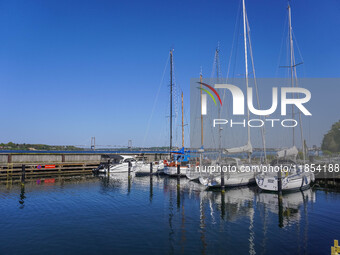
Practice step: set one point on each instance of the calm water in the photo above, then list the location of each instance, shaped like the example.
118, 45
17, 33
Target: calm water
112, 216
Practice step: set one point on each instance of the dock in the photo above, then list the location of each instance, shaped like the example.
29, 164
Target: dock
44, 164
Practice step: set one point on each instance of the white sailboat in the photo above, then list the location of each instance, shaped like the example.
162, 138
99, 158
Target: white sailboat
171, 168
295, 177
236, 177
192, 173
239, 177
143, 168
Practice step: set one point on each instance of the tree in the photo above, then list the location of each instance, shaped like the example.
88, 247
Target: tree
331, 140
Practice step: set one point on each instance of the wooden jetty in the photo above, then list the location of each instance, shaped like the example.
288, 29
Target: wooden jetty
59, 163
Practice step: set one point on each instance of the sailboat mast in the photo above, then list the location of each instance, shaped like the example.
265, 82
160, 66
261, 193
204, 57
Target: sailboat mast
170, 102
201, 113
219, 109
291, 62
246, 63
246, 58
294, 76
182, 124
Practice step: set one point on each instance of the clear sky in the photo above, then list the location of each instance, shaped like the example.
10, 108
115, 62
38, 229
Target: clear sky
70, 70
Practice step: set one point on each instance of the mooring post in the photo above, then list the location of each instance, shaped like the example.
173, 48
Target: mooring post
108, 167
222, 204
178, 185
279, 183
150, 168
129, 170
23, 173
279, 191
151, 188
279, 197
222, 181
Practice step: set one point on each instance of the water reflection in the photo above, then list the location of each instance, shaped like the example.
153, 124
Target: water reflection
22, 196
288, 207
178, 215
151, 189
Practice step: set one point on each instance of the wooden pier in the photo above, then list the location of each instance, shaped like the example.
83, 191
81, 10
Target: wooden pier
14, 170
45, 164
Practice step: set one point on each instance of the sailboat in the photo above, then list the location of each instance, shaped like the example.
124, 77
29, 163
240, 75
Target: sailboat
180, 157
238, 177
176, 157
295, 176
192, 174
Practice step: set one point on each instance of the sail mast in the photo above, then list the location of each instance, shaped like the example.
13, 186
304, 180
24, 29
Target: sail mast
170, 102
294, 76
217, 52
246, 61
182, 124
257, 92
291, 63
217, 59
201, 113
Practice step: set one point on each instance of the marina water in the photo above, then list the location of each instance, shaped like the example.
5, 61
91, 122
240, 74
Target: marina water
153, 215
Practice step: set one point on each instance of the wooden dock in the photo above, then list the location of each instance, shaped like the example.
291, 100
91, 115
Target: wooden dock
44, 164
14, 170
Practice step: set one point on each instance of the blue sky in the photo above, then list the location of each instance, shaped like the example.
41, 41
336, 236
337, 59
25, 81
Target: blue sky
70, 70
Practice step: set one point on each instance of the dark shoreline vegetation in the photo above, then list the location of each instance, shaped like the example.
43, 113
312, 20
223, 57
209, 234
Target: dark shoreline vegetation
330, 145
38, 147
331, 140
45, 147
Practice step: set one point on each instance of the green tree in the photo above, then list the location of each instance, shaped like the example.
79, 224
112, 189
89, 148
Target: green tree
331, 140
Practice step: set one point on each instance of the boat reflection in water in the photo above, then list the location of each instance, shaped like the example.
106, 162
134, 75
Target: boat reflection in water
166, 215
288, 206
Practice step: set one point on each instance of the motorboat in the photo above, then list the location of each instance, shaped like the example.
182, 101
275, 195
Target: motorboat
120, 164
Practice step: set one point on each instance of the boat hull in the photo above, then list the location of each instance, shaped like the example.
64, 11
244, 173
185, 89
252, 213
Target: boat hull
291, 183
119, 168
233, 180
172, 170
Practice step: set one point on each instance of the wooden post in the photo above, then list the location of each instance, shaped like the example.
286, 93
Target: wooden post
280, 210
222, 204
279, 183
150, 168
108, 167
222, 181
151, 188
178, 191
23, 174
129, 170
178, 184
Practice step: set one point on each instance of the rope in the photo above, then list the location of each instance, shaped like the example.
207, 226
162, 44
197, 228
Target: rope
155, 101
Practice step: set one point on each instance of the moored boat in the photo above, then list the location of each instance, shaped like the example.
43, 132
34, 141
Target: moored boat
120, 164
294, 177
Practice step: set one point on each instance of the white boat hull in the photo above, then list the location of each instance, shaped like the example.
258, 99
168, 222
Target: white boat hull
172, 170
297, 181
231, 180
119, 168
